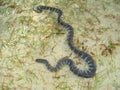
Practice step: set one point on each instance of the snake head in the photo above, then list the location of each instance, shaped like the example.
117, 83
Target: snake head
38, 9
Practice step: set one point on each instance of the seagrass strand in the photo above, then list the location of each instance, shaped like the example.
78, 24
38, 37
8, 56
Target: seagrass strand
90, 72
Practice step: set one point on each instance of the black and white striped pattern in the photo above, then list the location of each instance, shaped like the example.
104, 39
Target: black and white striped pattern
86, 57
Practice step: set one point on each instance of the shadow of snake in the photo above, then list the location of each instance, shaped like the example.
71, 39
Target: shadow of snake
90, 72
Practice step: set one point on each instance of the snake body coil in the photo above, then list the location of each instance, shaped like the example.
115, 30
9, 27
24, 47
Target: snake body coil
90, 72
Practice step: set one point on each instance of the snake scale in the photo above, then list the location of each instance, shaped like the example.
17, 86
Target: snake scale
90, 72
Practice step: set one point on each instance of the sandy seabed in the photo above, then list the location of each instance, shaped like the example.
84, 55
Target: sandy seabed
26, 35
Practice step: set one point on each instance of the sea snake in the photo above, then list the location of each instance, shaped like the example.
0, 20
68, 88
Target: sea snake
90, 72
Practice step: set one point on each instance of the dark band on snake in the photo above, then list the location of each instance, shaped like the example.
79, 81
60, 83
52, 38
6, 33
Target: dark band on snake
90, 72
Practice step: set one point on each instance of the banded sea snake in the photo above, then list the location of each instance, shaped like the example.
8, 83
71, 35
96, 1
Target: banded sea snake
90, 72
